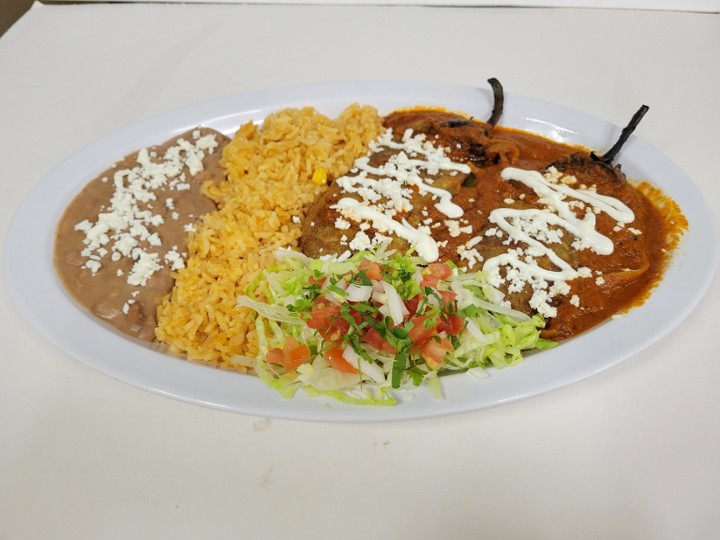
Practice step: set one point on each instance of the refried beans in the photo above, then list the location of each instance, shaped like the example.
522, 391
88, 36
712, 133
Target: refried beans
123, 236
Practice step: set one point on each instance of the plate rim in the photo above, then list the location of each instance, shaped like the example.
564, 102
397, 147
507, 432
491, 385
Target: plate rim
18, 267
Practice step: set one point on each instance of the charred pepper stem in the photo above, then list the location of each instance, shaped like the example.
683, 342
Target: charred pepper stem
611, 154
498, 101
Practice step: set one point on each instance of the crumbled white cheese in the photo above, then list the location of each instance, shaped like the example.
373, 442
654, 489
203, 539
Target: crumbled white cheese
342, 224
537, 228
454, 228
146, 264
360, 242
387, 189
473, 242
174, 259
472, 256
93, 266
125, 223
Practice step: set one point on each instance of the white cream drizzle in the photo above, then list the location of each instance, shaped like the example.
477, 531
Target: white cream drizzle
536, 227
416, 161
424, 244
559, 211
554, 195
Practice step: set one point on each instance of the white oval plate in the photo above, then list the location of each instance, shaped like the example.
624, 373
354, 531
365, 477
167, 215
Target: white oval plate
42, 299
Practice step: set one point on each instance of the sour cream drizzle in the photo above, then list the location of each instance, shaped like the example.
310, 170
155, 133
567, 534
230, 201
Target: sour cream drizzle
435, 161
529, 226
415, 162
423, 243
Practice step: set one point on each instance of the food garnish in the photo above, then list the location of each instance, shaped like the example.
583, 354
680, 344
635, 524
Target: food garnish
380, 321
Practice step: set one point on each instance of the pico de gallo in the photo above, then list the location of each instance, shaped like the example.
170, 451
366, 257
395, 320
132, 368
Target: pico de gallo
360, 329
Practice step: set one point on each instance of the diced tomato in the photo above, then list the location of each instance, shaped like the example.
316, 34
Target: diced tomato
315, 281
337, 330
341, 327
295, 354
440, 270
412, 304
451, 324
419, 333
292, 355
326, 319
372, 269
275, 356
373, 338
429, 280
448, 297
335, 358
356, 315
434, 351
323, 315
435, 273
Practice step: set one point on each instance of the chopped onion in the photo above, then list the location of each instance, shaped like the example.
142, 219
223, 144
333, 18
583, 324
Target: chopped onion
433, 300
403, 308
351, 356
332, 298
373, 371
394, 303
358, 293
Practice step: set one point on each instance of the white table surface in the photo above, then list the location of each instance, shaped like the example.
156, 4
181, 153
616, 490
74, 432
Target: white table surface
633, 452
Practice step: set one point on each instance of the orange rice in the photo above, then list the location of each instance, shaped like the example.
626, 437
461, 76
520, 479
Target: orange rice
269, 188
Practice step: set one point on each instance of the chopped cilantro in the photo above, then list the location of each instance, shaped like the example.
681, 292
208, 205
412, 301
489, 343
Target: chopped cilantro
398, 368
417, 375
362, 277
299, 287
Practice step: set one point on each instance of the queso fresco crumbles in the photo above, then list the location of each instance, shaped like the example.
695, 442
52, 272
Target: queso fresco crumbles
359, 255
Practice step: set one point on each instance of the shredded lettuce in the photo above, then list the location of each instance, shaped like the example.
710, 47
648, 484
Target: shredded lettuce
397, 333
